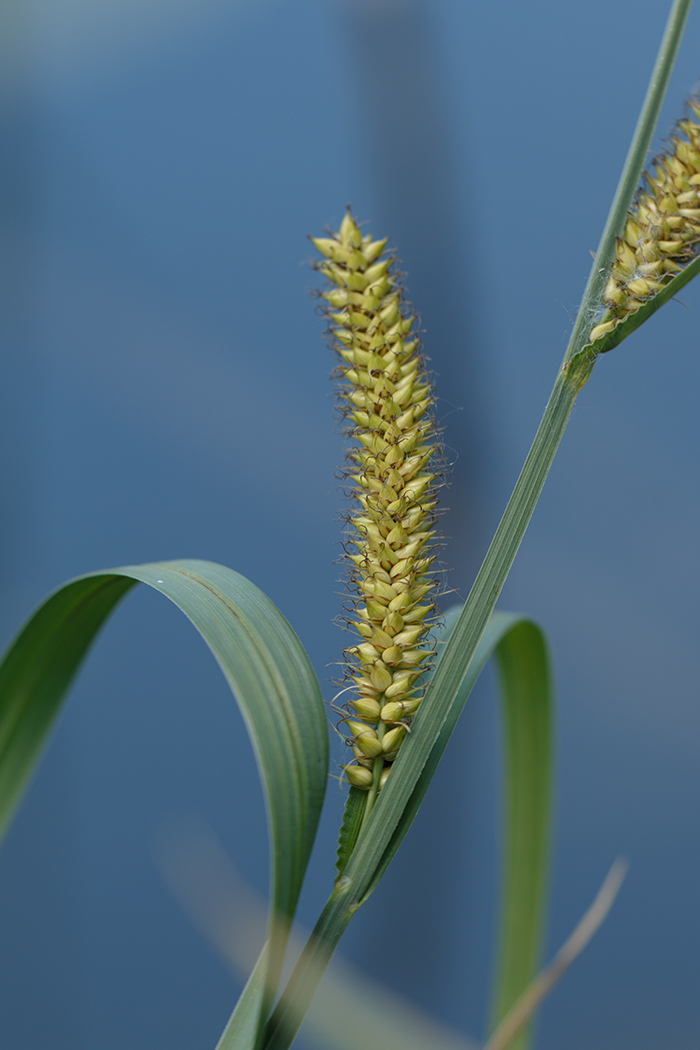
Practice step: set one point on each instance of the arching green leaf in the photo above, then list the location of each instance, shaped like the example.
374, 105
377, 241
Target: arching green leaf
526, 706
525, 691
269, 674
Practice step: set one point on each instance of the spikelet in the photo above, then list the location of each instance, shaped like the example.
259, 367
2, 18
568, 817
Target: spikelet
662, 229
386, 397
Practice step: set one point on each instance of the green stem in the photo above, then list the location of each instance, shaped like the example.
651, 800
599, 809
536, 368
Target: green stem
377, 766
382, 819
477, 609
292, 1007
572, 376
380, 825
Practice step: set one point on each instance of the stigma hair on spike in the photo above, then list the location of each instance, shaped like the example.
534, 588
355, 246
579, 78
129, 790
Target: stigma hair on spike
386, 398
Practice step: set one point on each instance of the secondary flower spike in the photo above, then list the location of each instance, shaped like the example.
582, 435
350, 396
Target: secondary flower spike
662, 228
386, 397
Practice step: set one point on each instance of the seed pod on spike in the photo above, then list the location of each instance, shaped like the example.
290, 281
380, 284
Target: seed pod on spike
662, 231
386, 397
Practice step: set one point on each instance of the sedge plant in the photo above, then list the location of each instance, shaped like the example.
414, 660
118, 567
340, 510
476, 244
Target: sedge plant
408, 670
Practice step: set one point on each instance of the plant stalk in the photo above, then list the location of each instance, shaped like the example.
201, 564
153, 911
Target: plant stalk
351, 889
313, 961
381, 822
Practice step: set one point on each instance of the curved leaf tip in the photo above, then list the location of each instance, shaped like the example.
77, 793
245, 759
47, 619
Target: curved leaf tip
266, 668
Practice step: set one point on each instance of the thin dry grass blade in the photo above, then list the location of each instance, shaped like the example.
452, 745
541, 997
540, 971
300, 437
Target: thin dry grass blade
528, 1002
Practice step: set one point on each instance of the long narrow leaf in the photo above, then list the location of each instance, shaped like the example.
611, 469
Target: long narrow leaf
526, 707
477, 610
270, 676
526, 1004
525, 689
520, 651
388, 813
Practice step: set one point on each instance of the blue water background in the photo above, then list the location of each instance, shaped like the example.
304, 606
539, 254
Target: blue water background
165, 394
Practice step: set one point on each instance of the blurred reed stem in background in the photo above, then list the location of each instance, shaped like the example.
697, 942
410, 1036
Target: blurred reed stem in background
410, 156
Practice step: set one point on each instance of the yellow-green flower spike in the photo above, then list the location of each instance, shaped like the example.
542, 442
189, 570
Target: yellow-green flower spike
387, 400
662, 229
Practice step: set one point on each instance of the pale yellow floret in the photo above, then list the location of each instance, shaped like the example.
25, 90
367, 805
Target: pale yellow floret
661, 232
